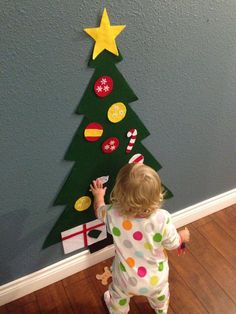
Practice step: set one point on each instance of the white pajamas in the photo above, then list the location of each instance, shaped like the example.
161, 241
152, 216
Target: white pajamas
140, 266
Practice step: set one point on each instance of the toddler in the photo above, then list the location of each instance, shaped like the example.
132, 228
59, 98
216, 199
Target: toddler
141, 232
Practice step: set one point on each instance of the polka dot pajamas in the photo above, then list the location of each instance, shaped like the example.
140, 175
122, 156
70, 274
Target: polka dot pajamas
140, 266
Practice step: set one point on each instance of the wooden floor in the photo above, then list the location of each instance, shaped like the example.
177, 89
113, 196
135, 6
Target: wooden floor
201, 281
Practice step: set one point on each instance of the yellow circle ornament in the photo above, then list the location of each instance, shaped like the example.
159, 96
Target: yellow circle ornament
83, 203
116, 112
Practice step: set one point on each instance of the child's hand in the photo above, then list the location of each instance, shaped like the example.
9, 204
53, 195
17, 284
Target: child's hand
97, 189
98, 192
184, 235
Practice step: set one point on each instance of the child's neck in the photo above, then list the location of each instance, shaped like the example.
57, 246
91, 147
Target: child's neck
140, 216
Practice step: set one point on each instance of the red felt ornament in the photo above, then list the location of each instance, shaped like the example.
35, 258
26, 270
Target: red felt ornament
137, 158
93, 132
103, 86
110, 145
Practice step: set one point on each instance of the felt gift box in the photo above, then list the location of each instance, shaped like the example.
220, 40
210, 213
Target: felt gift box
83, 235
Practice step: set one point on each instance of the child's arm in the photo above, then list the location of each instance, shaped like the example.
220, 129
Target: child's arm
184, 235
173, 239
98, 192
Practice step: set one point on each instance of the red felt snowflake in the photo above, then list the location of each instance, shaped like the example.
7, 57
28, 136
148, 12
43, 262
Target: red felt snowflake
103, 86
110, 145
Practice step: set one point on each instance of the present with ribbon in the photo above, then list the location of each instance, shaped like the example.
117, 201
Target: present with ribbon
83, 235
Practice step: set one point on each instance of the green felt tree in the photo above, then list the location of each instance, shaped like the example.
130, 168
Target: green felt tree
107, 115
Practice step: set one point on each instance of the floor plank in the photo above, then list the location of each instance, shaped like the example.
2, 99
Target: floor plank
213, 262
170, 310
202, 284
220, 240
87, 273
226, 222
3, 309
53, 299
83, 296
202, 221
182, 299
231, 211
22, 304
31, 307
140, 304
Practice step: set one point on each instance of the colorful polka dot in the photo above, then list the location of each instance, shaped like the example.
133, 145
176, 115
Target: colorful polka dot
127, 224
138, 236
139, 254
130, 261
161, 266
157, 237
161, 298
132, 281
142, 271
151, 262
124, 283
154, 280
122, 302
114, 307
122, 267
143, 290
149, 227
148, 246
116, 231
112, 266
128, 244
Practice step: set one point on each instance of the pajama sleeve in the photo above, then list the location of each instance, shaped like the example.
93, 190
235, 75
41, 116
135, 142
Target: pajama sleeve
102, 214
171, 239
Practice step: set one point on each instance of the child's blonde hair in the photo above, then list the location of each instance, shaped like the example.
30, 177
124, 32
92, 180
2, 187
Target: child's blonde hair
137, 190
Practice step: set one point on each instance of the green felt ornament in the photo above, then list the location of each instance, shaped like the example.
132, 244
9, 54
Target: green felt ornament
94, 233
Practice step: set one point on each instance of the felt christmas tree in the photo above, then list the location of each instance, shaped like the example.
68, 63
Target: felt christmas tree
109, 136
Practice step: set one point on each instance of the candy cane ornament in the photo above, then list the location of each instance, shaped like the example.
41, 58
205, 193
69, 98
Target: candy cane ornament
132, 133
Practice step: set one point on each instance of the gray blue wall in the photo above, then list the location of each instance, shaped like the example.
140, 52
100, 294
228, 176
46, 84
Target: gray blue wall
180, 60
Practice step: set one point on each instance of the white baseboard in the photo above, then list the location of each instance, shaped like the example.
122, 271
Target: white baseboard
203, 209
69, 266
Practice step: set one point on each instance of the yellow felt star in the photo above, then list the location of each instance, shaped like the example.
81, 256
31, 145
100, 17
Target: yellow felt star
105, 36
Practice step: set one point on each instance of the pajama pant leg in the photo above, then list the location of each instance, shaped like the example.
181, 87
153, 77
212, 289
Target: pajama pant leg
117, 301
160, 301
